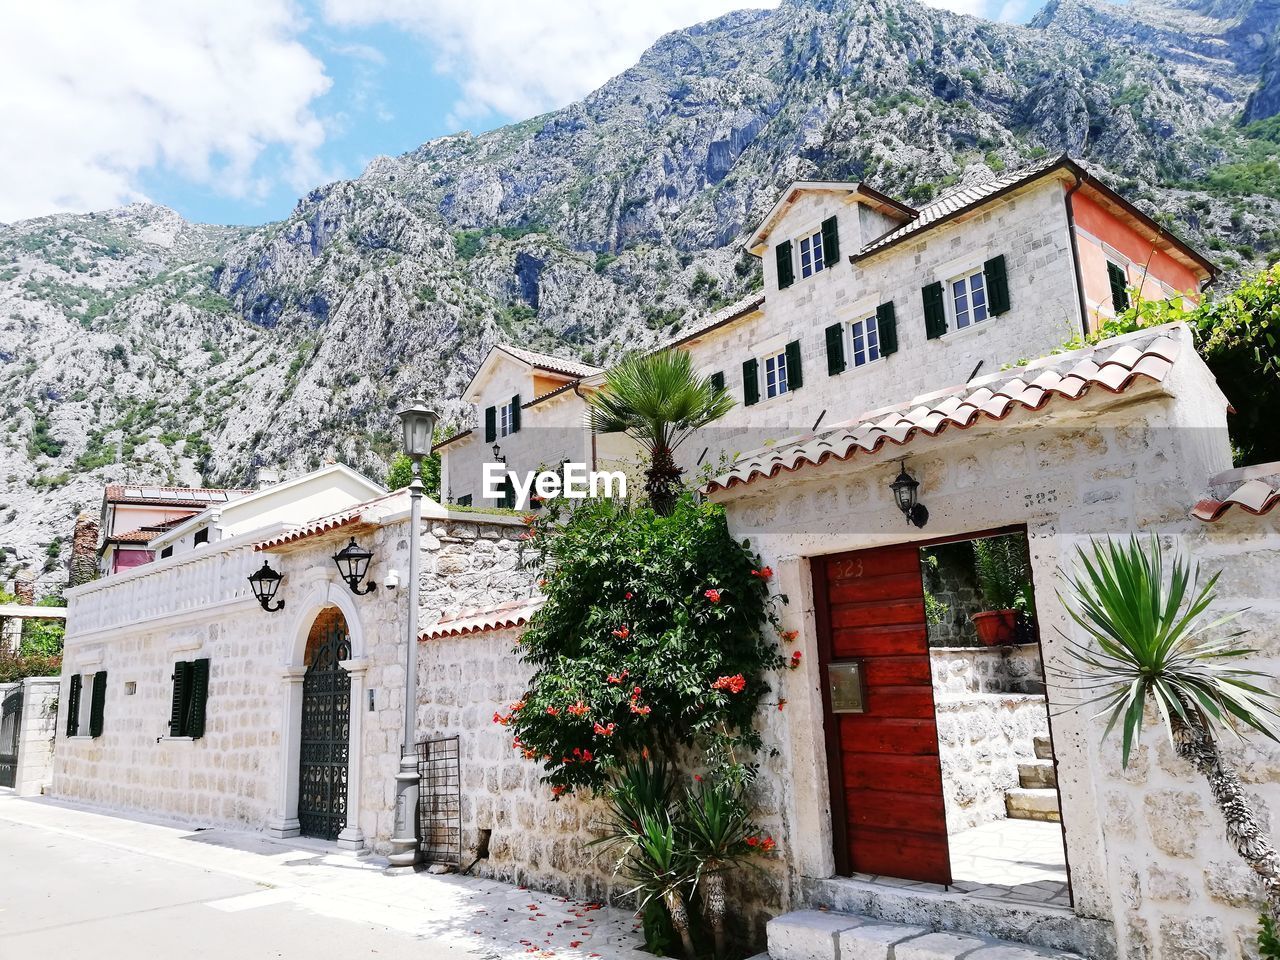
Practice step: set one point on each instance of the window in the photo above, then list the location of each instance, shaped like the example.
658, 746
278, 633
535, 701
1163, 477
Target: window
464, 500
190, 694
811, 261
775, 375
202, 536
969, 300
504, 420
166, 552
85, 716
1118, 277
864, 336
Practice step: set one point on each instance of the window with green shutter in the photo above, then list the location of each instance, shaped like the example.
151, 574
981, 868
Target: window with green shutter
830, 240
887, 326
199, 698
794, 376
750, 382
181, 698
490, 424
717, 381
935, 311
1119, 287
997, 282
97, 703
515, 414
786, 271
73, 705
835, 349
508, 498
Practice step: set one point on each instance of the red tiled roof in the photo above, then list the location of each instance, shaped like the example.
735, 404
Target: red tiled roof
178, 496
1256, 496
513, 613
133, 536
725, 315
331, 522
545, 361
1113, 365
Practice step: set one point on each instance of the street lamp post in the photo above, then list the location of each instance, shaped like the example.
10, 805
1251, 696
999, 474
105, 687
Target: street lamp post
418, 424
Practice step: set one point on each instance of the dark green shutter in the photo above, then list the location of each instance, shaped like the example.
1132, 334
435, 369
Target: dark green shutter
490, 424
786, 272
830, 241
1119, 287
96, 703
717, 381
199, 697
997, 281
887, 325
181, 695
935, 313
73, 705
515, 413
750, 382
835, 349
508, 498
795, 376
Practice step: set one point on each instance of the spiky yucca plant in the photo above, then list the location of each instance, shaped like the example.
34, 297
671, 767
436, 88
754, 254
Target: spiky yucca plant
658, 401
717, 828
1153, 643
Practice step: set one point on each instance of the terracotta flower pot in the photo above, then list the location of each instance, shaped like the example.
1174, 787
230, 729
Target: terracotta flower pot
996, 627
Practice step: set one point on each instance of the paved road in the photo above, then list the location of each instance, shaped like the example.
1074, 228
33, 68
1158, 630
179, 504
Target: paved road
77, 883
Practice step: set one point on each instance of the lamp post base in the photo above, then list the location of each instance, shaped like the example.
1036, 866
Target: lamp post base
404, 845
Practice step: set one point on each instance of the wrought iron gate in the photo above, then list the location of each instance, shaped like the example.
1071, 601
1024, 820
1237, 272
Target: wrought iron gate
10, 727
326, 735
440, 801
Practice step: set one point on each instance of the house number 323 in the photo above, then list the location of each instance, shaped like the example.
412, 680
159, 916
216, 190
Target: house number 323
1041, 498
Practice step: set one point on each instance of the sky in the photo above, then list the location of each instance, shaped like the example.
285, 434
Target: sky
229, 110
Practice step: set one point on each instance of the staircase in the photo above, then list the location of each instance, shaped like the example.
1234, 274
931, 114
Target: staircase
1036, 796
819, 935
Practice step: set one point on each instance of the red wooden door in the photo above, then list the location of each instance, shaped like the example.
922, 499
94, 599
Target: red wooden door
886, 781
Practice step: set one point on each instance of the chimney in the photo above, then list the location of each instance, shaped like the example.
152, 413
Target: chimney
24, 589
267, 477
84, 549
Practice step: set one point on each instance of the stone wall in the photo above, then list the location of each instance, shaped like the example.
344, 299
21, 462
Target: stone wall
950, 578
958, 671
982, 738
36, 737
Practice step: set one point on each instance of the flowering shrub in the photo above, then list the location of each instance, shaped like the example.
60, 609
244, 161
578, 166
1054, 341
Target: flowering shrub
657, 633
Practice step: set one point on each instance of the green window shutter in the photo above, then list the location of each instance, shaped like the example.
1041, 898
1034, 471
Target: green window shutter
198, 699
795, 376
515, 413
786, 272
1119, 287
835, 349
73, 705
181, 695
717, 381
830, 241
96, 703
887, 325
508, 498
935, 312
750, 382
997, 281
490, 424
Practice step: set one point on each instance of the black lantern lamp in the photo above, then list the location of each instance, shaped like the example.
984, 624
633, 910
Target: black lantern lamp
904, 493
265, 583
418, 423
497, 454
353, 563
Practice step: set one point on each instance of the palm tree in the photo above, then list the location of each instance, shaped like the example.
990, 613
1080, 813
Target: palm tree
717, 829
1154, 644
658, 401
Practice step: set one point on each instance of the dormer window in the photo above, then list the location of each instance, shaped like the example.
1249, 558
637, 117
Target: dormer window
811, 261
502, 421
811, 253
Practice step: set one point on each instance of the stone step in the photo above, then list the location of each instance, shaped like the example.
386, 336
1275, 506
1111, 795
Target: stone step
1041, 803
820, 935
1037, 774
1044, 748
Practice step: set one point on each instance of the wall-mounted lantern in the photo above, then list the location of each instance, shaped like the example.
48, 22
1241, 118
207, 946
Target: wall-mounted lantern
353, 564
905, 489
265, 583
497, 454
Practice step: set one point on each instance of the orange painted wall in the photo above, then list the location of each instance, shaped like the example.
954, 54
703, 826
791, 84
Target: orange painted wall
1148, 264
543, 385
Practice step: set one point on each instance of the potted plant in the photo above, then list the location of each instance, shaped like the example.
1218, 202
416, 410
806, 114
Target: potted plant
1005, 582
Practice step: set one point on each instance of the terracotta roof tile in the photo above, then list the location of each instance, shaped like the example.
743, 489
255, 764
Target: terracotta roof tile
133, 536
570, 368
725, 315
513, 613
1111, 366
1256, 496
335, 521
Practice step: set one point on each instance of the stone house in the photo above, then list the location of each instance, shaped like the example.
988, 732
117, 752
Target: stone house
866, 299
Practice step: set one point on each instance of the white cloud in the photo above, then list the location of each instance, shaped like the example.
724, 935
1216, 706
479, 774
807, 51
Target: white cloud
518, 58
92, 95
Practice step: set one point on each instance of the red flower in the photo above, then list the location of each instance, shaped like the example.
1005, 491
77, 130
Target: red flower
764, 573
782, 702
790, 635
517, 706
617, 678
557, 792
622, 633
579, 709
529, 519
639, 710
605, 731
553, 711
698, 777
753, 841
712, 595
735, 684
627, 596
543, 582
767, 844
795, 659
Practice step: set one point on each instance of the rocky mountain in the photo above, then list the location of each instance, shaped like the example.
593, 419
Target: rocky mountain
135, 345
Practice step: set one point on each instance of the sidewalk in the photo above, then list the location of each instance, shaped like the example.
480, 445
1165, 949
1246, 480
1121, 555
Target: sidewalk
460, 914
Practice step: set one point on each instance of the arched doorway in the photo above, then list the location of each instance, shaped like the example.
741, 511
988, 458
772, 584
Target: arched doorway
325, 740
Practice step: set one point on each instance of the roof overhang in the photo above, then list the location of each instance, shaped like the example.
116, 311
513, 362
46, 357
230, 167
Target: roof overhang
498, 355
853, 193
